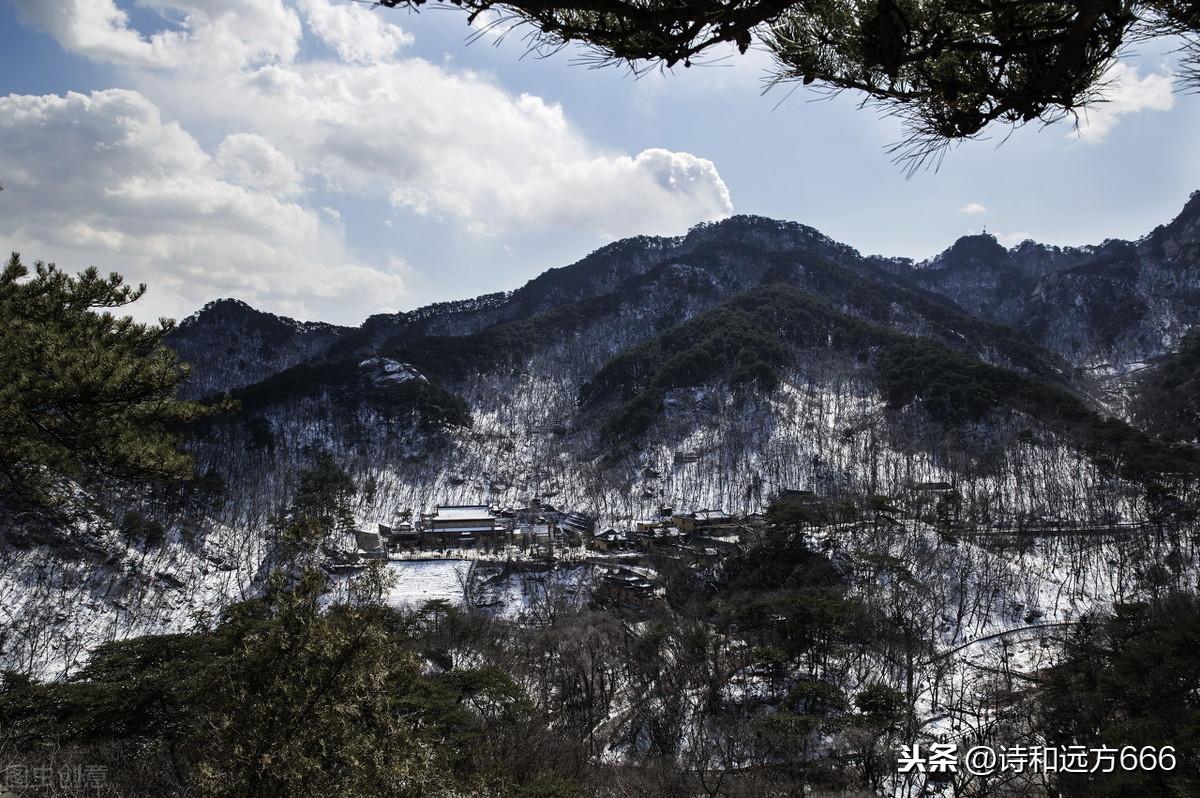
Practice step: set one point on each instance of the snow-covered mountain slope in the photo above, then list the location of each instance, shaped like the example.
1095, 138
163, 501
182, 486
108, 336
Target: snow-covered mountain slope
709, 370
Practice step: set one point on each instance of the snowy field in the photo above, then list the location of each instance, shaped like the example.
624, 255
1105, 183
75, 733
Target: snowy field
420, 581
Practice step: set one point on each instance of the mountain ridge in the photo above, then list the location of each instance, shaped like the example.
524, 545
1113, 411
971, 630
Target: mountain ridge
714, 370
1021, 286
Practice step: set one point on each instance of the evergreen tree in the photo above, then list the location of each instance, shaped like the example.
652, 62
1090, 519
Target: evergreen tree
1130, 679
84, 393
308, 703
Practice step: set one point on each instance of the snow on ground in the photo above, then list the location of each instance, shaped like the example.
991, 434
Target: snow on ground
421, 581
56, 608
532, 593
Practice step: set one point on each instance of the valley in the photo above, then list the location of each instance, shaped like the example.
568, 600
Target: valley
955, 468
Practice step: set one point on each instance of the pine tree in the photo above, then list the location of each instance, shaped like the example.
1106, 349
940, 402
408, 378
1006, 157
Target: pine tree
84, 394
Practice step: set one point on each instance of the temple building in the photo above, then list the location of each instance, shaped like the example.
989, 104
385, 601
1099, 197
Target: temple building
461, 525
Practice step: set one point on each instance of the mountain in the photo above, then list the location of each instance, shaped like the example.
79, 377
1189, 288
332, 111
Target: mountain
777, 356
1105, 308
1101, 309
1167, 396
674, 277
715, 370
230, 344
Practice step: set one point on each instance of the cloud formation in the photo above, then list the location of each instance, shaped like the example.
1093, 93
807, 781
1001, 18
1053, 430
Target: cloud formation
103, 180
312, 96
358, 34
250, 160
207, 34
972, 209
1126, 92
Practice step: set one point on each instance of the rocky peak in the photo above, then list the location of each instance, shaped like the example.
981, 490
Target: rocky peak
982, 250
1180, 238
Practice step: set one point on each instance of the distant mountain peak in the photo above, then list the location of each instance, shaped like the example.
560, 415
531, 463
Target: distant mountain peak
764, 230
224, 305
228, 309
977, 249
235, 344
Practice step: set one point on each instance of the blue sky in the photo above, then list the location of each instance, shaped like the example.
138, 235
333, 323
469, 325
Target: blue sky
323, 160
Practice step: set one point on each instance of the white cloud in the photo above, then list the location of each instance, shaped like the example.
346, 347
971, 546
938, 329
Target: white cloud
251, 161
358, 33
103, 180
95, 28
208, 34
446, 144
972, 209
675, 189
431, 140
1126, 92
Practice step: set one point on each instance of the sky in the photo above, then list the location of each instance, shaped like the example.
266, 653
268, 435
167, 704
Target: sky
327, 160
